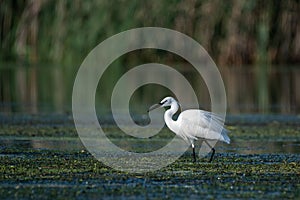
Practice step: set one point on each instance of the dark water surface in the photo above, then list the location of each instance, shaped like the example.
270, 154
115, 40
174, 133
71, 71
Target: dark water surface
74, 144
47, 88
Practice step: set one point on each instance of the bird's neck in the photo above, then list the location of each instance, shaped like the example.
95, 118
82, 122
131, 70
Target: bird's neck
168, 117
172, 110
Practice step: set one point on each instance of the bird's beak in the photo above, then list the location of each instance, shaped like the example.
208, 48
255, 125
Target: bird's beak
154, 107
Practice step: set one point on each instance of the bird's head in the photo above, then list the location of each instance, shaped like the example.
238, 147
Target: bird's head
167, 101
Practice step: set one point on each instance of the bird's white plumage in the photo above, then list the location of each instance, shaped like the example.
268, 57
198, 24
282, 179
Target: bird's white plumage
201, 124
193, 124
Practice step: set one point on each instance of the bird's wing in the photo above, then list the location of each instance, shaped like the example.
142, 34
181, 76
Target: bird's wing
202, 124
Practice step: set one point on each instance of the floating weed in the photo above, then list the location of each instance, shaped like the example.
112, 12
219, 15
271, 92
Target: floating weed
33, 172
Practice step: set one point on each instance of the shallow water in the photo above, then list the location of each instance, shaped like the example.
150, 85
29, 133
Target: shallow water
74, 144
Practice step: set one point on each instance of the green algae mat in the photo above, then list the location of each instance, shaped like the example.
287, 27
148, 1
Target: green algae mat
43, 158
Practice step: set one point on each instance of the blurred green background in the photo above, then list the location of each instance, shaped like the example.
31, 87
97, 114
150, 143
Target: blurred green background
255, 44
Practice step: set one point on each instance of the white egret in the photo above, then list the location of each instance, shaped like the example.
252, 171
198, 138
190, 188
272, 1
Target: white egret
193, 124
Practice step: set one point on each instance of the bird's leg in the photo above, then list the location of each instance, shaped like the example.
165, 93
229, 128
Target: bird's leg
194, 155
213, 151
212, 154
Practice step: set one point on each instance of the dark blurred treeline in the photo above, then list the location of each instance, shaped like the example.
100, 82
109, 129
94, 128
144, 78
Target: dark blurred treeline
234, 32
255, 43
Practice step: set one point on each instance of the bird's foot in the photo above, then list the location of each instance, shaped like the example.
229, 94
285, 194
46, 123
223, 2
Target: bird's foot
212, 154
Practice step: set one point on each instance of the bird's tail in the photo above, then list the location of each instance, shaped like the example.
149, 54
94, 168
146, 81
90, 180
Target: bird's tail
225, 137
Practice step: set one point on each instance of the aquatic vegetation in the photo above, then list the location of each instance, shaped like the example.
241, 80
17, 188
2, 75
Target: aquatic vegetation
23, 173
32, 164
